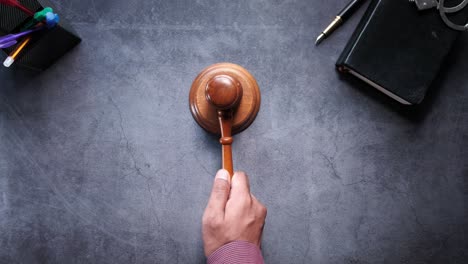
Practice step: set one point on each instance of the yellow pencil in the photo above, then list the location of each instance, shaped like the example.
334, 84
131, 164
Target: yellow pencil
10, 59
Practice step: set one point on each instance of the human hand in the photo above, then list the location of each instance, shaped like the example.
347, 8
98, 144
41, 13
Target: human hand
232, 213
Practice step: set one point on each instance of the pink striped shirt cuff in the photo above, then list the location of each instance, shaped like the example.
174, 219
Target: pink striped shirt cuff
237, 252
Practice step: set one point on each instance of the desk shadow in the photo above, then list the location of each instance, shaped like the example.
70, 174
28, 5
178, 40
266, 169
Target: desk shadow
414, 113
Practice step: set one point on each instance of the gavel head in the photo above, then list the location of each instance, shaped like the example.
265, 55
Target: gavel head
223, 92
224, 87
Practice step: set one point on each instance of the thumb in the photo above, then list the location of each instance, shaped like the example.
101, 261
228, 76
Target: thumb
220, 192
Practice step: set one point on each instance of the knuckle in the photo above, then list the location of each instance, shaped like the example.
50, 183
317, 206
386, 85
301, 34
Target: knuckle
244, 200
263, 210
240, 178
260, 207
216, 223
211, 221
241, 174
206, 218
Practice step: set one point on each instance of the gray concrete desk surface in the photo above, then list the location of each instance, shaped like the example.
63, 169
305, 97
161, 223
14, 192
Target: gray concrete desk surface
101, 161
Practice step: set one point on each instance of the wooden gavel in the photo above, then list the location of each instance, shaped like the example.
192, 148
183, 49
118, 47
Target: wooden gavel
224, 93
225, 99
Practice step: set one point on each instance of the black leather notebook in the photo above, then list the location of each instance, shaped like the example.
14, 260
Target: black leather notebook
398, 49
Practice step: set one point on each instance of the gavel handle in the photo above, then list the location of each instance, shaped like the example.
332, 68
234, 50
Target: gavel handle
225, 123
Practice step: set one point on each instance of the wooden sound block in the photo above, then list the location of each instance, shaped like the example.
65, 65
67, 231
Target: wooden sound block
206, 114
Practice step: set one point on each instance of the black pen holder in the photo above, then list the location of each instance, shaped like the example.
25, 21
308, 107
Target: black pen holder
46, 46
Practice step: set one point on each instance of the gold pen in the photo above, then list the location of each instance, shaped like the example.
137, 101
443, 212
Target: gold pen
339, 19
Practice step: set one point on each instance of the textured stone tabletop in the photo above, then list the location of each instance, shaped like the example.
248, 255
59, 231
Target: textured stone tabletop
101, 161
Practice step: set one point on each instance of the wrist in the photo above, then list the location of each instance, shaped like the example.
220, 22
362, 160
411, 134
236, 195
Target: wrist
236, 252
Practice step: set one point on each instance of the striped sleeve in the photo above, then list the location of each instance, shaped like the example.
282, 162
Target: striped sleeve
237, 252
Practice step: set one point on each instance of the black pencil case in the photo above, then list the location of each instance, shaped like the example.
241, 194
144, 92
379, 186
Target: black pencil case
46, 46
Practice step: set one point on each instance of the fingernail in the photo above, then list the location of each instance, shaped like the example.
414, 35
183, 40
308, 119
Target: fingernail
223, 174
